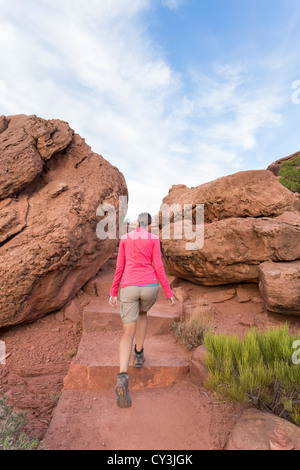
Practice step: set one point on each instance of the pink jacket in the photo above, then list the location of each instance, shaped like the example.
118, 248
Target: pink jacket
137, 251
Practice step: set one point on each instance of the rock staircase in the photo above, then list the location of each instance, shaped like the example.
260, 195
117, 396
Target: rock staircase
161, 417
97, 363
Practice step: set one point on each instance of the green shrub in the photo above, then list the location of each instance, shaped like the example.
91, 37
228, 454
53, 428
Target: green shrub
256, 369
290, 174
12, 429
71, 353
191, 331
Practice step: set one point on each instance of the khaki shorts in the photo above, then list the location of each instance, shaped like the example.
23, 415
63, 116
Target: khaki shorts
136, 298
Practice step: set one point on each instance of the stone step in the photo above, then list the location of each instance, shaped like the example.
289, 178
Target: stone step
97, 363
97, 317
97, 287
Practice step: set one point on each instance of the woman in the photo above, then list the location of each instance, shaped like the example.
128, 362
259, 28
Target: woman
139, 290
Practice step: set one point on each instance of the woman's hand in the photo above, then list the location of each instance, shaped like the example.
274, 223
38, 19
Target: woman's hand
173, 301
113, 301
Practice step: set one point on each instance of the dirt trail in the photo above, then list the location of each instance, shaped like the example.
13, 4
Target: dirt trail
168, 410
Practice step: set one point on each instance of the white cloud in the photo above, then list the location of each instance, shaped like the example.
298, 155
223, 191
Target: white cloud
236, 106
91, 64
172, 4
94, 65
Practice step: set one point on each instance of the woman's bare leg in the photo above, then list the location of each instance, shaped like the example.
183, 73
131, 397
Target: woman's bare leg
141, 330
125, 350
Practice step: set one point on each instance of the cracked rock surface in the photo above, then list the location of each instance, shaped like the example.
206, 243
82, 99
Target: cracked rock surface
51, 184
249, 219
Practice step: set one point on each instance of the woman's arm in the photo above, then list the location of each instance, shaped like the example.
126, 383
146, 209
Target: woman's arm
120, 265
160, 270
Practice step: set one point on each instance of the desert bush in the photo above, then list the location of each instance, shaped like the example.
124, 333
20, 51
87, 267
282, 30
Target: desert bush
290, 174
191, 331
71, 353
13, 429
257, 369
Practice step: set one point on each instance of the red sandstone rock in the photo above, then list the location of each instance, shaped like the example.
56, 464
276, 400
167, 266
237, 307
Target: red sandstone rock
97, 363
279, 439
242, 194
198, 373
219, 296
3, 124
73, 311
51, 184
279, 284
243, 294
234, 248
245, 225
25, 145
200, 353
180, 294
255, 431
275, 167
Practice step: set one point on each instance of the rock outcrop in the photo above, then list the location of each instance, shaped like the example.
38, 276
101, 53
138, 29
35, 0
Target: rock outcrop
258, 430
275, 167
254, 193
51, 184
279, 284
250, 218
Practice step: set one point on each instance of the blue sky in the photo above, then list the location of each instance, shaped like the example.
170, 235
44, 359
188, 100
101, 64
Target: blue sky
169, 91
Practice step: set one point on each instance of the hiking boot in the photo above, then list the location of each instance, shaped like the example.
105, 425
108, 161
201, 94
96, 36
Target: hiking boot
138, 359
122, 391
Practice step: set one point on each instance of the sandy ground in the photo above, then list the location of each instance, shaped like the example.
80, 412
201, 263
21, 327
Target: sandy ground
182, 416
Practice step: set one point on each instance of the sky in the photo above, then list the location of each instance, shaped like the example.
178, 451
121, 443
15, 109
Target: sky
169, 91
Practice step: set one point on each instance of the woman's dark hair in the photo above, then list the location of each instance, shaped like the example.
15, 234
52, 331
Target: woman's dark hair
144, 219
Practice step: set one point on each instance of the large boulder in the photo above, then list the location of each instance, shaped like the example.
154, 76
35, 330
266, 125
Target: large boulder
233, 250
258, 430
279, 284
245, 225
51, 185
254, 193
